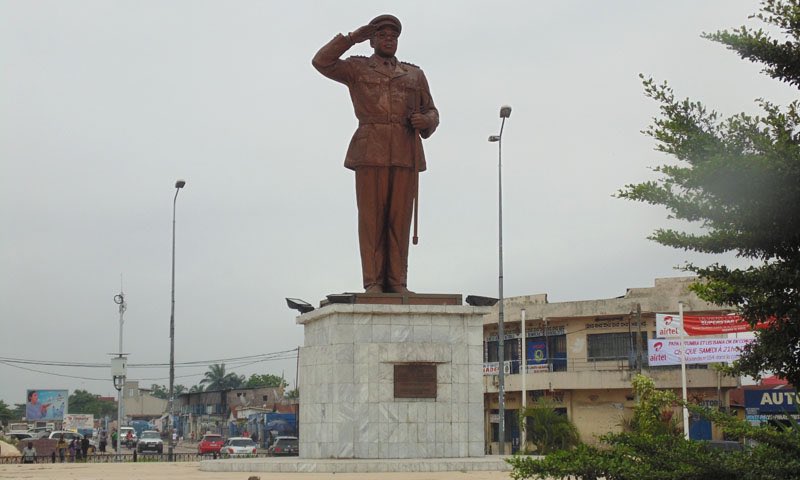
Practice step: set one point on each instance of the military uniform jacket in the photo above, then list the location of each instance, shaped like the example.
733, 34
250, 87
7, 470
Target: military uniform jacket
384, 96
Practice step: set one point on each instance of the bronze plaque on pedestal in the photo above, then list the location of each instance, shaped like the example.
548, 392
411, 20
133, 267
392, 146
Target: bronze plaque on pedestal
415, 380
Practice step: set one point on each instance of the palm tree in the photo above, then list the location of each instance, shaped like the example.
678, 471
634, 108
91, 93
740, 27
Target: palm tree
216, 378
547, 429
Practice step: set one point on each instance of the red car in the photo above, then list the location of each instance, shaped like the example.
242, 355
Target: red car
210, 443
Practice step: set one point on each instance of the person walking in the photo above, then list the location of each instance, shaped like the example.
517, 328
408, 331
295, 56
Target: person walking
85, 447
29, 454
61, 447
72, 447
114, 440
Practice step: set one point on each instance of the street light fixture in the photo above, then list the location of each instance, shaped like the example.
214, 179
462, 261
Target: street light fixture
505, 112
178, 185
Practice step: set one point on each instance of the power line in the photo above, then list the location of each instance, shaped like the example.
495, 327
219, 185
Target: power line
280, 355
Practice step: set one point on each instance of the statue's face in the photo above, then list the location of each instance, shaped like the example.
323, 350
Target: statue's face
385, 42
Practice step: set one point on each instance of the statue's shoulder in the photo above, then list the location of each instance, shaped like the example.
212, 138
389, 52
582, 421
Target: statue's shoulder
357, 58
409, 64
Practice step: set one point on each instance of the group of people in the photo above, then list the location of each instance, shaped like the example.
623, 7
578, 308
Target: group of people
75, 450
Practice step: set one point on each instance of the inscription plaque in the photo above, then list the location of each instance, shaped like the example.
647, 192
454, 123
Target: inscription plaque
415, 380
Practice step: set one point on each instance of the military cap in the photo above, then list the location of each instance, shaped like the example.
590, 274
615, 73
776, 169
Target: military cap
387, 20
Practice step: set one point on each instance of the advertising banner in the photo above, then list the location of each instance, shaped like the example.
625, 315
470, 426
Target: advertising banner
46, 404
713, 350
668, 325
717, 324
761, 402
536, 353
76, 422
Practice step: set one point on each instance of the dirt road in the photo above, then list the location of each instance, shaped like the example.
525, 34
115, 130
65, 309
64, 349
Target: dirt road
190, 471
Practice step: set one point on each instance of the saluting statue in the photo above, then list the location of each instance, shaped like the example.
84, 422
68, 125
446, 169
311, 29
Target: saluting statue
393, 104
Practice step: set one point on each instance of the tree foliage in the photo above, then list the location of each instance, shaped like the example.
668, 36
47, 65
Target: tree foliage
265, 380
6, 413
162, 392
738, 178
217, 379
546, 430
81, 401
653, 450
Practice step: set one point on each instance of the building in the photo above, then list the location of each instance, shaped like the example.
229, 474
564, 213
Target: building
139, 404
223, 411
582, 356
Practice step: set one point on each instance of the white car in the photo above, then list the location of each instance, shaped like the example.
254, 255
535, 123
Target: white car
150, 440
67, 435
239, 446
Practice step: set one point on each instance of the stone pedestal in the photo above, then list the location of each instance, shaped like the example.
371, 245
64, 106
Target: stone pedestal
348, 407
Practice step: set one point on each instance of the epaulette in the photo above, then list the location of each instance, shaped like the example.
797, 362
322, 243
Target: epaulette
356, 56
409, 64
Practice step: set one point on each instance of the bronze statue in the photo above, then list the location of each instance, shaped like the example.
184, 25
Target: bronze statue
394, 108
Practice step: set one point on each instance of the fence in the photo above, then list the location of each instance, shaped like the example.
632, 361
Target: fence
133, 457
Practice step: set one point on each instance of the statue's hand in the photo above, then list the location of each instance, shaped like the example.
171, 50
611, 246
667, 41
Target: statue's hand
362, 33
420, 121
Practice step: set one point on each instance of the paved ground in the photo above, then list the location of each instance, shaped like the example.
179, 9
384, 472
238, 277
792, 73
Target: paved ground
190, 471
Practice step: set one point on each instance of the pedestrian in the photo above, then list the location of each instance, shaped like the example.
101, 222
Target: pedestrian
29, 454
61, 446
114, 439
85, 447
103, 440
72, 449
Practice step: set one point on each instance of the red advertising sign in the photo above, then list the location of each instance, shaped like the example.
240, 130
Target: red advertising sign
717, 324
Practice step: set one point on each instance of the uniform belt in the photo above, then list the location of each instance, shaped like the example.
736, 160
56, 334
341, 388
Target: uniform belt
383, 119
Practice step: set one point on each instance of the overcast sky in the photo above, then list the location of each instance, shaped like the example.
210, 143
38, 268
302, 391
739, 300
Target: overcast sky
104, 104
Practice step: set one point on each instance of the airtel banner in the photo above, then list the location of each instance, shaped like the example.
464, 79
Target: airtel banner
668, 325
712, 350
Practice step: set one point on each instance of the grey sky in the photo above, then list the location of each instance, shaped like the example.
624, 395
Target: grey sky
104, 104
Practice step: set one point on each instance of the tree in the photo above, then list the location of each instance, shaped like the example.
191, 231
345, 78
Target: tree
159, 391
217, 379
546, 429
196, 388
293, 394
6, 413
738, 178
81, 401
266, 380
653, 450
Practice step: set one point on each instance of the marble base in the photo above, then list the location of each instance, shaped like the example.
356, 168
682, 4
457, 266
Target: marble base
491, 463
347, 403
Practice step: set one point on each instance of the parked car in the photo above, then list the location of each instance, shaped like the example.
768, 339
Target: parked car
40, 432
20, 436
67, 435
123, 435
284, 446
210, 443
151, 441
239, 446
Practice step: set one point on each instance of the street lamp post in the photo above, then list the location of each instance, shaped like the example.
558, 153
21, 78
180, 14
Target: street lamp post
505, 112
178, 185
119, 368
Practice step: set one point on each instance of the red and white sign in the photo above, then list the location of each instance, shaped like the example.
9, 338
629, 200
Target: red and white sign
668, 325
718, 324
712, 350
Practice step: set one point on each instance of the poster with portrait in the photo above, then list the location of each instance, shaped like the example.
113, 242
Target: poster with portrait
46, 404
